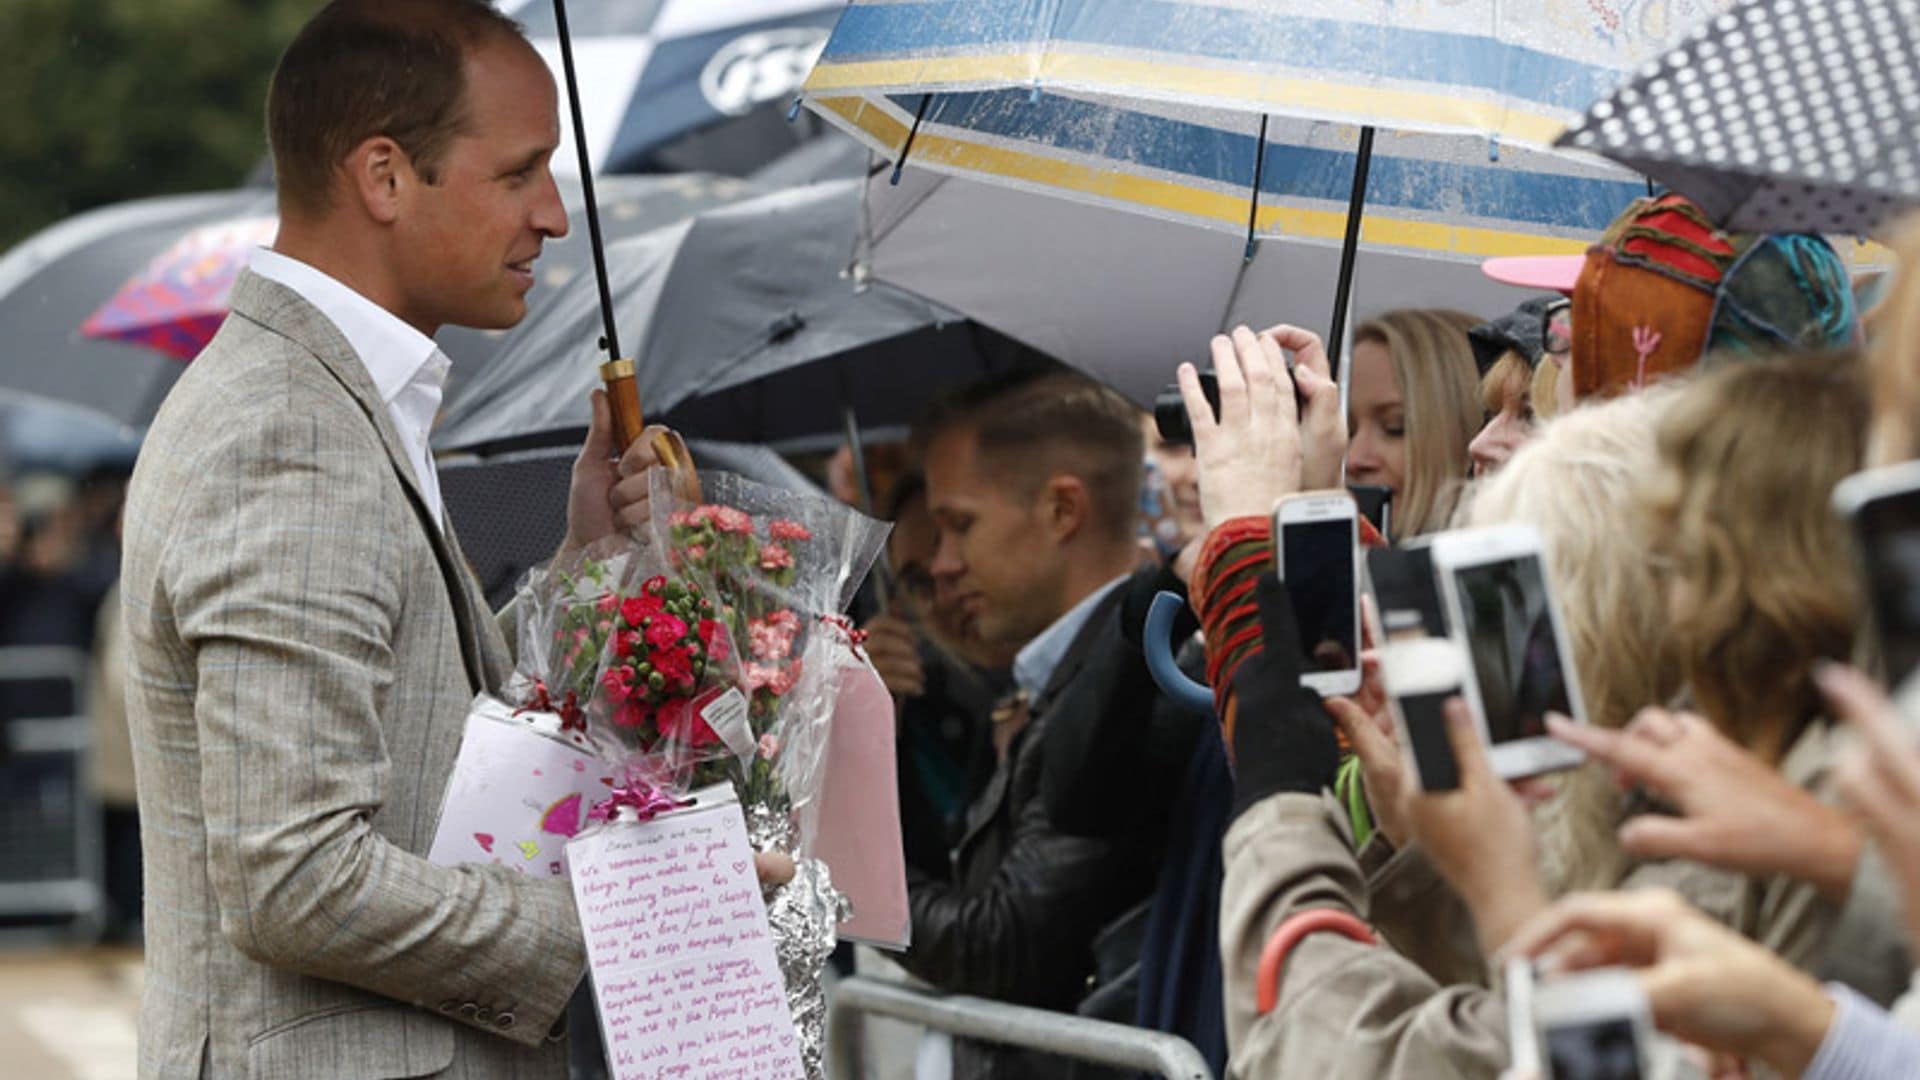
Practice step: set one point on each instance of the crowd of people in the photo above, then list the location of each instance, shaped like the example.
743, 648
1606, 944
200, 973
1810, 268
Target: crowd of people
1672, 414
1263, 876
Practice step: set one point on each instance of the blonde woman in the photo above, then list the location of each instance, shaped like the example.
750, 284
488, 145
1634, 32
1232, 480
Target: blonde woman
1413, 405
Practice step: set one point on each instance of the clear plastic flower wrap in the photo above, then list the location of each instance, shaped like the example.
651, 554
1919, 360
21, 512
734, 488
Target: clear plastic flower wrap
560, 622
782, 565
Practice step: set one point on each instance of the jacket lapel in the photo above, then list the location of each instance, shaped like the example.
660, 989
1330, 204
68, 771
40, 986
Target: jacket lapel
285, 312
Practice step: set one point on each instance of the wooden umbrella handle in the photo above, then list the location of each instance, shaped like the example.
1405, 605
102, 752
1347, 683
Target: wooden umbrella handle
623, 396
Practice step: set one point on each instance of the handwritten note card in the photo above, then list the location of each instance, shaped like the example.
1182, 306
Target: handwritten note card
683, 963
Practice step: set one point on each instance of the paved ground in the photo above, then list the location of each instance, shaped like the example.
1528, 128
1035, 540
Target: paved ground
68, 1015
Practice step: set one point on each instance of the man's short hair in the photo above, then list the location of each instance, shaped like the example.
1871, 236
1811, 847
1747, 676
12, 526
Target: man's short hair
1032, 426
362, 68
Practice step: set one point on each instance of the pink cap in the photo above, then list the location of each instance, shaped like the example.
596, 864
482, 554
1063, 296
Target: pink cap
1555, 273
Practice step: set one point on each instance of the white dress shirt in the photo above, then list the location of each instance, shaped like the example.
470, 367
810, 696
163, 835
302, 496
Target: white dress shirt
408, 370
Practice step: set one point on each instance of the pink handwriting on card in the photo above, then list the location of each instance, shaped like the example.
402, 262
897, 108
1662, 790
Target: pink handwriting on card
683, 966
858, 831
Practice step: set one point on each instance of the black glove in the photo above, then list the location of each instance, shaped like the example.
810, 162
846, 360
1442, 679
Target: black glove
1283, 739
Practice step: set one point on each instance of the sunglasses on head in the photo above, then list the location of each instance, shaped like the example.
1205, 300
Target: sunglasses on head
1556, 328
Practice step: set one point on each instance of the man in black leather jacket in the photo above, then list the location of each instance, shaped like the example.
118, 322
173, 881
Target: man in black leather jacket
1032, 480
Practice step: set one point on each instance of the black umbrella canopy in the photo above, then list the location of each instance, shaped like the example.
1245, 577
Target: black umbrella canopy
52, 281
713, 305
1779, 116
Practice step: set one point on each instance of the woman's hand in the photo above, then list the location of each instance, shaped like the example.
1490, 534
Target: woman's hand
1879, 777
1735, 810
1249, 456
1479, 836
1323, 423
1705, 984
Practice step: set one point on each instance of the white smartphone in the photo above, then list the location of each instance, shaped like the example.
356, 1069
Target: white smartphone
1317, 543
1500, 612
1883, 508
1421, 674
1593, 1025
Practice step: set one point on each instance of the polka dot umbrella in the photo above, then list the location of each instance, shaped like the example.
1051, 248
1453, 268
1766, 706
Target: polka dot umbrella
1778, 116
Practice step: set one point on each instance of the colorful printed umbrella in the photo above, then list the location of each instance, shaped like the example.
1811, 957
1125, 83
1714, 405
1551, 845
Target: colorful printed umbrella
177, 303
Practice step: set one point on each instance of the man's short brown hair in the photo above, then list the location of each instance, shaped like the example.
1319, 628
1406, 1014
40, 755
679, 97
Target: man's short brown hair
362, 68
1032, 426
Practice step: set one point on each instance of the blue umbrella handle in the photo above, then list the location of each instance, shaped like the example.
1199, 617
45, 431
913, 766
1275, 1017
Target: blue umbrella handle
1158, 645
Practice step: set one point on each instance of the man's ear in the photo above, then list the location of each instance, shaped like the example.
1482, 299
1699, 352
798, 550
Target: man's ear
377, 174
1067, 506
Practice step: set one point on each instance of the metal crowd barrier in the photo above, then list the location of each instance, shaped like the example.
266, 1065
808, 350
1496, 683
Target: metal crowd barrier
50, 846
1096, 1042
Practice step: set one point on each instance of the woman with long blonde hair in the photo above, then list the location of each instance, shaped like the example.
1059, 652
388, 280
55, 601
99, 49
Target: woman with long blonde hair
1413, 405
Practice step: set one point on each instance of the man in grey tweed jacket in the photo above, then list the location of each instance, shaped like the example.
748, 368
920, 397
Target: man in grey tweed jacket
304, 634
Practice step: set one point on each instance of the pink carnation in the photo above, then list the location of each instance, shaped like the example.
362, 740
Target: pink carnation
607, 603
618, 684
774, 557
729, 520
788, 531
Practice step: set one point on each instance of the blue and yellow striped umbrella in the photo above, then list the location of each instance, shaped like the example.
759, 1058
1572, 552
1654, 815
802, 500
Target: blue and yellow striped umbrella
1248, 115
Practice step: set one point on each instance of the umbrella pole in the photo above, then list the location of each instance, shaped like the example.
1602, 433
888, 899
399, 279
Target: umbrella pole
1349, 248
883, 572
618, 373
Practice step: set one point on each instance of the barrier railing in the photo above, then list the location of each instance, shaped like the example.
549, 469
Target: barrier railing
1097, 1042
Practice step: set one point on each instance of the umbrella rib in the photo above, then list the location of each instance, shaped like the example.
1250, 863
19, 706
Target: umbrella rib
1350, 246
1253, 203
906, 148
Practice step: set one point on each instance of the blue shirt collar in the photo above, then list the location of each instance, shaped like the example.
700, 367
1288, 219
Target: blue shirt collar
1034, 665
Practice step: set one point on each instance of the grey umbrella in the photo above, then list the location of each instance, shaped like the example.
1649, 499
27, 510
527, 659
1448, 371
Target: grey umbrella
746, 327
52, 281
1778, 116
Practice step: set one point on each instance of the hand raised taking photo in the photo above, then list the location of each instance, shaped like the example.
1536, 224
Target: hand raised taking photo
1706, 984
1250, 455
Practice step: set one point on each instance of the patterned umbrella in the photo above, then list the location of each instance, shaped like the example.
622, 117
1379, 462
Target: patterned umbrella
1779, 116
1259, 116
180, 299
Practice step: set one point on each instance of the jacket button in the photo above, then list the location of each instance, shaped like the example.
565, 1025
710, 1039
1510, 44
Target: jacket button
449, 1005
503, 1021
467, 1009
484, 1015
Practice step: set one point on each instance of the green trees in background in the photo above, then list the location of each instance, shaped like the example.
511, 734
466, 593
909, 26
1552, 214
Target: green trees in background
103, 100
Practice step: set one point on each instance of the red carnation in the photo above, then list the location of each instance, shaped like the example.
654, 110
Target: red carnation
666, 631
675, 664
618, 683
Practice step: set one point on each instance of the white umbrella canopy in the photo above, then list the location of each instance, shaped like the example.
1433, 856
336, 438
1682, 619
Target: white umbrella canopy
1126, 297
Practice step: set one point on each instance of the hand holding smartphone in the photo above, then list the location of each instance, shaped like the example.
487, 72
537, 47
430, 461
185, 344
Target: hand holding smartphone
1500, 612
1316, 547
1592, 1025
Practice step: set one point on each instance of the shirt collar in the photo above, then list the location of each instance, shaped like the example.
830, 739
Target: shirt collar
1035, 663
394, 353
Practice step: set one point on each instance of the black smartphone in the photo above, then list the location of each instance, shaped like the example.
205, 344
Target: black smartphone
1375, 502
1401, 580
1883, 506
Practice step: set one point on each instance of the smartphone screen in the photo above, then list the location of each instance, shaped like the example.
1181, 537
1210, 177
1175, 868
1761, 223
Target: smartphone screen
1317, 566
1606, 1049
1890, 541
1509, 634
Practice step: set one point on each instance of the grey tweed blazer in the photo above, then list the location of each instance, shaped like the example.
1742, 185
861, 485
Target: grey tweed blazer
303, 643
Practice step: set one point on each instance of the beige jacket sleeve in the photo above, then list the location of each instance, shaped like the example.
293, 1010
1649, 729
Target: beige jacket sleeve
289, 615
1345, 1009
